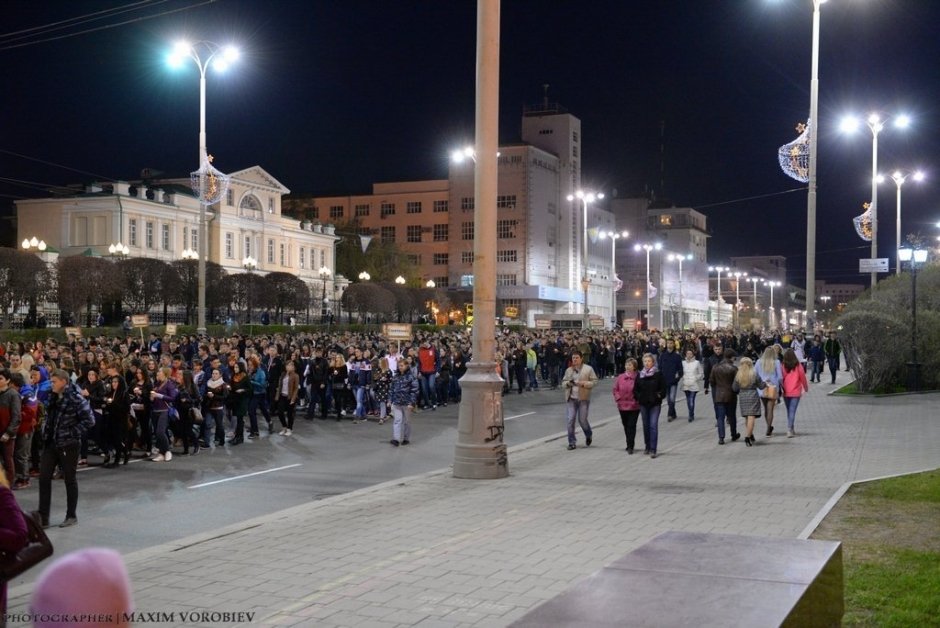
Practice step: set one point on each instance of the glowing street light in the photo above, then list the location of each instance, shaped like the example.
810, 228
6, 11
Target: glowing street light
34, 243
771, 315
899, 177
614, 236
364, 276
719, 300
585, 198
400, 280
430, 283
737, 297
675, 257
648, 247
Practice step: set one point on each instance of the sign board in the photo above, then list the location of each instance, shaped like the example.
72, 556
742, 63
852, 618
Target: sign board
73, 331
140, 320
171, 329
875, 265
511, 311
397, 331
597, 322
543, 323
699, 326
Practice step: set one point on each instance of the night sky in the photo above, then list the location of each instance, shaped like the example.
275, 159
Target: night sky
331, 96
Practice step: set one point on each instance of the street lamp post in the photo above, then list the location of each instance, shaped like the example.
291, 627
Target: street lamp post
811, 174
719, 300
324, 273
771, 315
585, 199
675, 257
825, 299
737, 299
34, 243
899, 177
754, 281
250, 264
614, 236
648, 247
220, 57
915, 257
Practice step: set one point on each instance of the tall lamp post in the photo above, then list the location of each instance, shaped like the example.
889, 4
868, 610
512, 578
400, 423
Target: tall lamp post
250, 265
614, 236
899, 177
771, 315
648, 247
585, 199
719, 300
675, 257
876, 124
825, 299
754, 281
914, 257
220, 57
811, 174
324, 274
737, 298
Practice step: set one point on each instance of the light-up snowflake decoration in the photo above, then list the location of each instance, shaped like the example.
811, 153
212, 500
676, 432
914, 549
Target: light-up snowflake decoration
209, 184
652, 290
863, 223
794, 157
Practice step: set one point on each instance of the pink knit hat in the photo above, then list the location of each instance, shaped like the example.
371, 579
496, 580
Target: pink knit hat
86, 588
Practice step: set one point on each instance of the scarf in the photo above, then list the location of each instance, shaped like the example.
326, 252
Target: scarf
648, 372
215, 383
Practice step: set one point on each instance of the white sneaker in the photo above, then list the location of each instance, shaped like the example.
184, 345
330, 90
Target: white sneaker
158, 458
282, 433
791, 434
288, 432
168, 456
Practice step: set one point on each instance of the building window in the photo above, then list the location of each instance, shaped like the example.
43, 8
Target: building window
132, 231
665, 220
466, 203
506, 201
315, 213
440, 207
551, 235
336, 211
442, 282
441, 232
505, 229
322, 257
466, 231
413, 207
194, 236
388, 209
506, 256
552, 209
230, 197
414, 259
466, 281
505, 280
574, 136
283, 255
440, 259
165, 237
247, 246
574, 151
271, 205
229, 245
362, 210
303, 258
270, 251
414, 233
387, 235
466, 257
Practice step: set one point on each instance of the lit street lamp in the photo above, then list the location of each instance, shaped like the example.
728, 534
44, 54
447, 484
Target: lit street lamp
585, 198
771, 315
364, 276
34, 243
876, 124
915, 257
220, 57
719, 300
400, 280
614, 236
737, 298
899, 177
674, 257
754, 281
430, 283
648, 247
324, 273
190, 254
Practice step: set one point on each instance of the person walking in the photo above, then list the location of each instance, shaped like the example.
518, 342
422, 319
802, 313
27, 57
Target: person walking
68, 417
162, 398
691, 376
10, 415
670, 365
816, 359
746, 384
650, 390
794, 385
833, 350
627, 406
769, 371
721, 380
578, 382
403, 394
286, 398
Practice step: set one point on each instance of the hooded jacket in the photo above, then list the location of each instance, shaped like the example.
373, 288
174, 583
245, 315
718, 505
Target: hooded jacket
68, 417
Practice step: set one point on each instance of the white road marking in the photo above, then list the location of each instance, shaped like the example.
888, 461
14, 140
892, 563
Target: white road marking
247, 475
516, 416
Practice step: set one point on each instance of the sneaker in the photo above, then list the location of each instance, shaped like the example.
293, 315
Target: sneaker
83, 462
168, 456
394, 442
588, 441
69, 522
721, 441
282, 432
572, 446
154, 451
20, 484
288, 432
791, 434
406, 442
158, 458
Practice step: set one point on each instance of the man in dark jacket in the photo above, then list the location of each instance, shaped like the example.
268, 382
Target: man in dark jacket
68, 417
317, 380
670, 365
9, 424
721, 379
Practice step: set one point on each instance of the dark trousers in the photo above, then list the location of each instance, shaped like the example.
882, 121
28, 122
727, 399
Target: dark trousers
258, 400
66, 458
285, 407
317, 396
628, 418
833, 367
6, 450
161, 422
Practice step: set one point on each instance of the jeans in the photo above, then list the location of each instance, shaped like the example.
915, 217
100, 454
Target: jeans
66, 458
628, 418
725, 411
359, 393
429, 388
401, 426
671, 391
690, 403
650, 416
578, 410
161, 421
21, 451
258, 400
833, 367
792, 403
533, 383
6, 450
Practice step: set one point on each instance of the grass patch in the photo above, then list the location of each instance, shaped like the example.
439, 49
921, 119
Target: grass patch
891, 549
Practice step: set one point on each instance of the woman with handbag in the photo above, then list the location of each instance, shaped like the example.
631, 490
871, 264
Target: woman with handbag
770, 372
746, 384
13, 534
794, 385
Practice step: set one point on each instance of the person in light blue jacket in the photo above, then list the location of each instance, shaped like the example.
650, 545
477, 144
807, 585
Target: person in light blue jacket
770, 372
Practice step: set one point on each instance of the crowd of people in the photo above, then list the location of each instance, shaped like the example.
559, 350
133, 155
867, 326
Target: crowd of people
102, 400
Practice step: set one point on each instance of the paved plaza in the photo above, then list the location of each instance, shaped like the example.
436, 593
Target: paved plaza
432, 550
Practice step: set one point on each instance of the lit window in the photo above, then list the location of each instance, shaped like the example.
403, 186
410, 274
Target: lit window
247, 246
665, 220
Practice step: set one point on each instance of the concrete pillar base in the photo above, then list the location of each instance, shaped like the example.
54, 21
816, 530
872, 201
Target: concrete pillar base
480, 453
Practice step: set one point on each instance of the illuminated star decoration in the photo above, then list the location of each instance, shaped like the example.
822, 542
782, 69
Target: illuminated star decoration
618, 284
794, 157
863, 223
208, 183
652, 290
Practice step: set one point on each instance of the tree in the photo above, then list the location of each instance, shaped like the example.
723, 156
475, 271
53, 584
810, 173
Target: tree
23, 280
85, 281
141, 281
288, 293
186, 278
382, 260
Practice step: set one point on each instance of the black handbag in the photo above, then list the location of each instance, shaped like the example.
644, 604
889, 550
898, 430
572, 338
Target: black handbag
38, 548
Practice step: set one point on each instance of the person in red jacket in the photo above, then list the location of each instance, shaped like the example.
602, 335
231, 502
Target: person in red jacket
29, 414
9, 422
627, 404
794, 385
427, 367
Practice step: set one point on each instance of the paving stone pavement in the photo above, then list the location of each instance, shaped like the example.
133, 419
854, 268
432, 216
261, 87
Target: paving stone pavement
433, 550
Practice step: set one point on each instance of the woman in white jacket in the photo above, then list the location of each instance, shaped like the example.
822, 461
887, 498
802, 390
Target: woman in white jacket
692, 374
